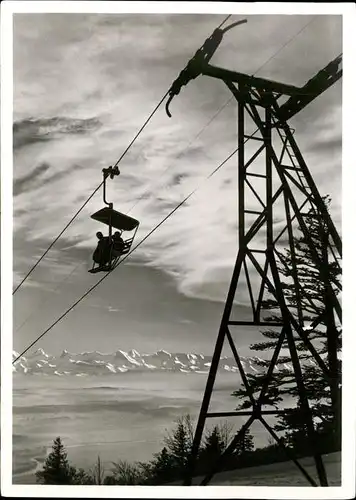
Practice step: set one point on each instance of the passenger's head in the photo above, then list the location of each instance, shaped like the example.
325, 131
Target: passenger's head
99, 235
117, 234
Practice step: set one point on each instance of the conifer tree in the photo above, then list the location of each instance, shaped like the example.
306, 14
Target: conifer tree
212, 448
56, 468
161, 469
213, 443
163, 462
179, 443
313, 297
246, 444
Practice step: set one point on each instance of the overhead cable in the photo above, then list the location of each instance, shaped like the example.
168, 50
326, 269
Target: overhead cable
96, 189
169, 215
131, 251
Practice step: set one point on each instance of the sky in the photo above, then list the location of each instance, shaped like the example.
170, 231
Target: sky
83, 86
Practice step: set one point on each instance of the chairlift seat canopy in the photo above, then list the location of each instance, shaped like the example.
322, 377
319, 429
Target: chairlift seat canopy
117, 220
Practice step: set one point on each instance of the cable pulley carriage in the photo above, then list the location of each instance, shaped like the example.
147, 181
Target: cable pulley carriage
110, 248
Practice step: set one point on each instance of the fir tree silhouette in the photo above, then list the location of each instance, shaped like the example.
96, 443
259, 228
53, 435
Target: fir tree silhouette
327, 418
246, 444
56, 468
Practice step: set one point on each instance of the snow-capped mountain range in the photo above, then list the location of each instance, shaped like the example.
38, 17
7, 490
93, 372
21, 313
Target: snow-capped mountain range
97, 363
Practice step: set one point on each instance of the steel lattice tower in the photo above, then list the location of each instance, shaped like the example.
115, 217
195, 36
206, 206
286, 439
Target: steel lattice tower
272, 173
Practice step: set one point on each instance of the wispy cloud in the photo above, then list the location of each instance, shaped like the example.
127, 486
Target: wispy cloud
23, 183
29, 131
83, 86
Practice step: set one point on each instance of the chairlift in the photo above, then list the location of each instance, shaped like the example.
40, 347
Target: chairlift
110, 248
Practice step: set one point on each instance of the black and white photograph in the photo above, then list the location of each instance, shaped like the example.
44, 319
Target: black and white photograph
171, 234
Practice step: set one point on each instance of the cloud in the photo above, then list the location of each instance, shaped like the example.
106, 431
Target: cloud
327, 146
30, 131
38, 179
24, 183
91, 81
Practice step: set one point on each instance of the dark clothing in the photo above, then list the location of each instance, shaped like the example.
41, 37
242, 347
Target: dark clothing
101, 254
118, 243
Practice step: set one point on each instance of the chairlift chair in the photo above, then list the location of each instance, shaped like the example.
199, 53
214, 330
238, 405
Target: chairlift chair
117, 220
121, 222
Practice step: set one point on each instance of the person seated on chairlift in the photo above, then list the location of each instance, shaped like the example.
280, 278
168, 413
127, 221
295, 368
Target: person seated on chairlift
118, 242
101, 254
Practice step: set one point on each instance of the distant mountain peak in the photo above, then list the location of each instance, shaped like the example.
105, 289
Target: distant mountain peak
95, 363
133, 353
41, 352
162, 351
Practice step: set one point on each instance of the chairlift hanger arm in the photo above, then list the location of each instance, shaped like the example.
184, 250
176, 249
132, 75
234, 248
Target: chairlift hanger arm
198, 61
109, 172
